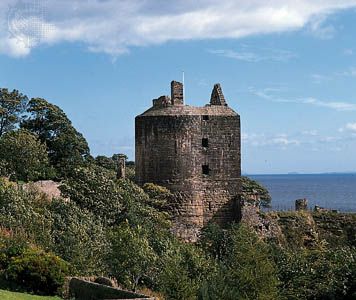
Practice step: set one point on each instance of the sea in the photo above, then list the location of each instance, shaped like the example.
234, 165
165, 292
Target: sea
332, 191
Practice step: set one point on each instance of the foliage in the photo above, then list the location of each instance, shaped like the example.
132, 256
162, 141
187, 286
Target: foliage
252, 187
93, 188
318, 273
246, 272
79, 237
24, 156
67, 148
106, 162
159, 196
184, 267
38, 271
132, 257
12, 107
214, 240
24, 212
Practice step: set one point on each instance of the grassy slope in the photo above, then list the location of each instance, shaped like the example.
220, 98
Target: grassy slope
6, 295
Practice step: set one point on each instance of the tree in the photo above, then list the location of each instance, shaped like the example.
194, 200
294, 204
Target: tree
251, 187
94, 188
25, 156
106, 162
317, 273
132, 258
247, 271
12, 106
67, 148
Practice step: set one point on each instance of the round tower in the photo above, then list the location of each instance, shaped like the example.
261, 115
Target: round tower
194, 152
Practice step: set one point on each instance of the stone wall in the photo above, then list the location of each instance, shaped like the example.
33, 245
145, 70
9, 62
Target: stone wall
86, 290
195, 152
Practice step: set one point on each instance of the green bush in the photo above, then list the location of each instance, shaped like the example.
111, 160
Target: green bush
317, 274
247, 271
37, 271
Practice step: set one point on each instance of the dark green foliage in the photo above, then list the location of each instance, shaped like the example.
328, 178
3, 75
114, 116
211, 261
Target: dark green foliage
252, 187
184, 268
37, 271
12, 107
317, 274
67, 148
23, 156
246, 272
106, 163
214, 240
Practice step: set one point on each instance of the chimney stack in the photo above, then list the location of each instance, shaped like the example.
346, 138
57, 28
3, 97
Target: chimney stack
177, 93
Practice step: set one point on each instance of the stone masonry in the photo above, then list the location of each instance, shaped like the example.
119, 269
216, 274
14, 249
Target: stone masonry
194, 152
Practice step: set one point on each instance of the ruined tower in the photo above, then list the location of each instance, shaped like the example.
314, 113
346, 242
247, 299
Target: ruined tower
195, 152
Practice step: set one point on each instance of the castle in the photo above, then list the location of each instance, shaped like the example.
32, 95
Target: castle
196, 153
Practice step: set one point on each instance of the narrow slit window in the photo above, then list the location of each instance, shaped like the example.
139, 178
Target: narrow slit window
205, 169
205, 143
205, 118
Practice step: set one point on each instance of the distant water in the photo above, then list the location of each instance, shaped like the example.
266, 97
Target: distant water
336, 191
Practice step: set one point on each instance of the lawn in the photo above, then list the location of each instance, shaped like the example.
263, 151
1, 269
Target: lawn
6, 295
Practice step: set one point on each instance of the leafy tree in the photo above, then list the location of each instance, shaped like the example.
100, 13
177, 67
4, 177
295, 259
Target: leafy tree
79, 237
184, 267
25, 212
214, 240
246, 272
132, 258
317, 273
67, 148
12, 107
251, 187
106, 162
25, 156
95, 189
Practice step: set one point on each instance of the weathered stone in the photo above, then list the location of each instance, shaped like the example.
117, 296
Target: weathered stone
301, 204
194, 152
121, 170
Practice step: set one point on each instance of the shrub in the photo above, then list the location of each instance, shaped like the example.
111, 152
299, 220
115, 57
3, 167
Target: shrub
246, 272
37, 271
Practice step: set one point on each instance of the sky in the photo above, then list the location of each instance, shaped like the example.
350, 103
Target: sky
287, 67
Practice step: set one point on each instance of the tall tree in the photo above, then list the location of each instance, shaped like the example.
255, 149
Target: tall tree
24, 155
67, 148
12, 106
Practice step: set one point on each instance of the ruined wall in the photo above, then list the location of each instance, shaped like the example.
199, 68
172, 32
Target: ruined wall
80, 289
195, 152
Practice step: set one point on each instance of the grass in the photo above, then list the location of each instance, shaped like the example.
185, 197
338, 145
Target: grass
6, 295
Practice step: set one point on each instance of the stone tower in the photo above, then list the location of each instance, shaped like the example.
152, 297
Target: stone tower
194, 152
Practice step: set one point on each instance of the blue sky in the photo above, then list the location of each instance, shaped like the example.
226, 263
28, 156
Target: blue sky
287, 67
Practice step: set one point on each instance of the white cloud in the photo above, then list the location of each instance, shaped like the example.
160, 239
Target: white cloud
349, 127
312, 132
319, 78
251, 55
320, 30
113, 26
335, 105
348, 52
